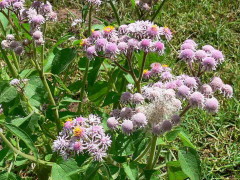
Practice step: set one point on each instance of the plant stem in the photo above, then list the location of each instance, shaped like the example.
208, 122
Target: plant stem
152, 152
185, 110
157, 155
9, 64
83, 86
115, 12
29, 157
88, 64
158, 10
143, 153
141, 72
15, 61
50, 95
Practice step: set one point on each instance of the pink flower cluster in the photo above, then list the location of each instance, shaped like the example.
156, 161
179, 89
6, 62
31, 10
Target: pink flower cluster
139, 36
82, 135
188, 88
36, 15
157, 114
11, 44
208, 57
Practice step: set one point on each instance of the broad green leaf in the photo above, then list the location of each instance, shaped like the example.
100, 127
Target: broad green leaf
131, 170
111, 98
8, 94
185, 140
63, 170
61, 40
190, 162
129, 78
98, 26
62, 59
23, 136
17, 122
175, 171
98, 91
4, 20
133, 3
172, 135
93, 73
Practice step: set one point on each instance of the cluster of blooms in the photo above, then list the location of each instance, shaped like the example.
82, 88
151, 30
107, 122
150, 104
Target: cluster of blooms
95, 2
143, 5
19, 84
208, 57
36, 15
82, 135
155, 109
189, 88
141, 35
11, 44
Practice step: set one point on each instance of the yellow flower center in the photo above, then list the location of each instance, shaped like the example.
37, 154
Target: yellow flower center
155, 27
77, 131
164, 65
83, 42
145, 71
108, 28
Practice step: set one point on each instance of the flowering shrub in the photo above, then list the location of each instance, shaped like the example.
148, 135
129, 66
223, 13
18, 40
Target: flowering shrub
138, 103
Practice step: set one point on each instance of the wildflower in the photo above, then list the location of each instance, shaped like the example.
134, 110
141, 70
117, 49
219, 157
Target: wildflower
139, 119
91, 52
166, 76
137, 98
190, 82
206, 90
216, 83
217, 55
209, 63
190, 41
166, 32
4, 4
211, 105
175, 119
108, 31
10, 37
187, 46
5, 44
187, 55
183, 91
37, 20
196, 99
127, 126
112, 123
18, 5
126, 112
126, 97
101, 44
37, 35
145, 45
159, 47
146, 74
111, 49
208, 48
200, 55
227, 90
123, 46
153, 31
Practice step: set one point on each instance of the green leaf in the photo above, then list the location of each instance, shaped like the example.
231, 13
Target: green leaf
93, 73
62, 59
4, 20
133, 3
131, 170
98, 91
175, 171
23, 136
111, 98
172, 135
8, 94
185, 140
63, 170
129, 78
17, 122
190, 163
8, 176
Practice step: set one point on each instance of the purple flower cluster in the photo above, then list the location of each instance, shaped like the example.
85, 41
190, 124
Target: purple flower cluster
208, 57
11, 44
157, 114
36, 15
186, 87
82, 135
141, 35
19, 84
